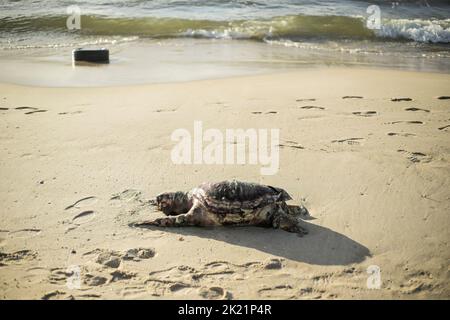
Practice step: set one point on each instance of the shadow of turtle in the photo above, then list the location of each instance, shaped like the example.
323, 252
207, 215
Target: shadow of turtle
321, 246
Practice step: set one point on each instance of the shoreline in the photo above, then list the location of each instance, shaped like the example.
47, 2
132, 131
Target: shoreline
292, 71
184, 60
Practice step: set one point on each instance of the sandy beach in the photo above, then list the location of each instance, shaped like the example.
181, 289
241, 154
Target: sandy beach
78, 166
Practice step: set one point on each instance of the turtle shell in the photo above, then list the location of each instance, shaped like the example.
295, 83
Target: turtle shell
235, 196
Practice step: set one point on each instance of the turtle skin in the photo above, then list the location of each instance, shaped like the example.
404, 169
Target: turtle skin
226, 203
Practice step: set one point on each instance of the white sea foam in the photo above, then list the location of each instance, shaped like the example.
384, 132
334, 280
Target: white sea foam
12, 45
425, 31
418, 30
216, 34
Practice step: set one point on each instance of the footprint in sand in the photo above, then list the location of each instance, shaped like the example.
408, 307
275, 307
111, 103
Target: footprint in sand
89, 296
217, 265
216, 274
176, 288
364, 113
110, 259
35, 111
120, 275
400, 99
166, 110
291, 144
90, 275
186, 280
324, 278
350, 141
87, 201
26, 108
406, 122
282, 291
273, 264
416, 286
310, 117
113, 258
352, 97
36, 275
94, 281
137, 254
160, 287
417, 109
180, 277
212, 271
416, 156
134, 291
419, 157
417, 281
16, 256
59, 275
267, 112
304, 100
215, 270
215, 293
313, 293
24, 233
225, 265
74, 112
401, 134
312, 107
66, 275
179, 286
83, 217
53, 295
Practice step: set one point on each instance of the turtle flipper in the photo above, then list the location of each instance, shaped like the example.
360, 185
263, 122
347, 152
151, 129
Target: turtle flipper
287, 222
192, 218
182, 220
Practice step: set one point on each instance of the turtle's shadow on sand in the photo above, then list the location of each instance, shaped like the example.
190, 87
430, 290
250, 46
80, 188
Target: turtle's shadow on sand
321, 246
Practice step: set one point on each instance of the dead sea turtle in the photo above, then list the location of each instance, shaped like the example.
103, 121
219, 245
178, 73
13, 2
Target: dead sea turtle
229, 203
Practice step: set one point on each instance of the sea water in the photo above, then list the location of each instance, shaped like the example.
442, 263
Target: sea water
167, 40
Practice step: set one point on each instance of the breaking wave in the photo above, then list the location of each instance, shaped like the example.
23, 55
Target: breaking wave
289, 27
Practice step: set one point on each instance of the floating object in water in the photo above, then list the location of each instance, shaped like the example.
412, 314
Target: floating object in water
90, 55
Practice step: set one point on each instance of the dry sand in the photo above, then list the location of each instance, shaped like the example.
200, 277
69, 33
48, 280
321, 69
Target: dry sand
374, 175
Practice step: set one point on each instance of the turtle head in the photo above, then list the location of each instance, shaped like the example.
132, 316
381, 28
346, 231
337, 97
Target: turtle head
173, 203
282, 194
